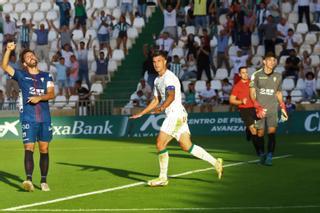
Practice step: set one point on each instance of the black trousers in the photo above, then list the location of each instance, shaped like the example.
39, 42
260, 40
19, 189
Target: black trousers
304, 10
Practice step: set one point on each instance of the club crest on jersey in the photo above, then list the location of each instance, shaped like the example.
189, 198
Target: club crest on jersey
42, 79
274, 79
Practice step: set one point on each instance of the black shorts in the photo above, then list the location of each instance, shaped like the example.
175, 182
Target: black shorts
248, 116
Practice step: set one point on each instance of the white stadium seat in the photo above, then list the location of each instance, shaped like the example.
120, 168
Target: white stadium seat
216, 84
132, 33
305, 47
300, 84
52, 35
43, 66
112, 66
315, 60
111, 4
7, 8
293, 18
38, 16
302, 28
316, 49
118, 54
213, 42
279, 69
221, 73
98, 4
77, 35
200, 85
288, 84
286, 7
52, 15
33, 7
97, 88
91, 32
311, 38
20, 7
296, 95
73, 100
60, 101
261, 50
46, 6
185, 85
177, 51
191, 29
27, 15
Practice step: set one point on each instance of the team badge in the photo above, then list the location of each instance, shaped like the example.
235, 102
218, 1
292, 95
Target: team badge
42, 79
274, 79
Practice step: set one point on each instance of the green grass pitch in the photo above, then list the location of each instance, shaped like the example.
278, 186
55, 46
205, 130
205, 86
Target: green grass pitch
79, 166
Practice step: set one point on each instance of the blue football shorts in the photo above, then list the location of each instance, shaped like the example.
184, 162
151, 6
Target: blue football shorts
36, 131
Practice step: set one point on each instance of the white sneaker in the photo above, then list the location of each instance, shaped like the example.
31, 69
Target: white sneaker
45, 187
28, 186
219, 167
158, 182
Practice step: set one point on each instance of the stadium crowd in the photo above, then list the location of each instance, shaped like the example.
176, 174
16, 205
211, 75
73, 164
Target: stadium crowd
216, 37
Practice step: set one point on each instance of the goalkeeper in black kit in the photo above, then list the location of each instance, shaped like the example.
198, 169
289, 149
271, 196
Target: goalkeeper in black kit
265, 92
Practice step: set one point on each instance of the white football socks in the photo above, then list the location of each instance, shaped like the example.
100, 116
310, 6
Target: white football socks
164, 162
199, 152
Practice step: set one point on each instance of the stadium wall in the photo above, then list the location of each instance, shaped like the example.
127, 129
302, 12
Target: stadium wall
201, 124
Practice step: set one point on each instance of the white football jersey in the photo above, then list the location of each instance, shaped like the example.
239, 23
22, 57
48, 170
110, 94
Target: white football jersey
161, 83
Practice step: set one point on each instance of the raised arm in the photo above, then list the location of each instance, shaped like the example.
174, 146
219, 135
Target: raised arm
95, 52
75, 44
49, 25
5, 61
177, 5
89, 42
54, 26
92, 15
160, 5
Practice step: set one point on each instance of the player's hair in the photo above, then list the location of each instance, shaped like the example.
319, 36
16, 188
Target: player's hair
269, 55
25, 51
159, 53
242, 67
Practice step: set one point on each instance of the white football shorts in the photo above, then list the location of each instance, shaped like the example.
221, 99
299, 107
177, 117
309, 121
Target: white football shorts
175, 125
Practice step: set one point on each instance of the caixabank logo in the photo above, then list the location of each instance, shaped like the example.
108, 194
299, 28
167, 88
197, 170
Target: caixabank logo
9, 127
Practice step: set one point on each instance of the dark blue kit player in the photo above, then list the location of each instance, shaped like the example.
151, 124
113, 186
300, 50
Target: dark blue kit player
36, 88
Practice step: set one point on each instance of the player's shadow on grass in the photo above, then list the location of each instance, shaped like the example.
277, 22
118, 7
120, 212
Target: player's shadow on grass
122, 172
11, 179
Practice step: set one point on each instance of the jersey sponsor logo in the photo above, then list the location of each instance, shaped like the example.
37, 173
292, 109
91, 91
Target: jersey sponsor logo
312, 122
34, 91
9, 127
264, 91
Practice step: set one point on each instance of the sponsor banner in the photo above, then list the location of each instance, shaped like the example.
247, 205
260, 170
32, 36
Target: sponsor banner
200, 124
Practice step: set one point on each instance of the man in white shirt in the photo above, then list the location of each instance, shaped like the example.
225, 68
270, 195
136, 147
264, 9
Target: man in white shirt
282, 30
127, 7
9, 29
170, 18
238, 61
167, 98
207, 97
165, 43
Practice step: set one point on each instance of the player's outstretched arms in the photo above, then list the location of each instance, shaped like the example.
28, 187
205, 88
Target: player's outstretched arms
153, 104
5, 61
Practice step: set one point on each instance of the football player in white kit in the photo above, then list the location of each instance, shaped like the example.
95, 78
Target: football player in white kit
167, 98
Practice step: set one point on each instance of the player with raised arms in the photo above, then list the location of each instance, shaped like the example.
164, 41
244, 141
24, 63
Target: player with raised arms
36, 89
167, 98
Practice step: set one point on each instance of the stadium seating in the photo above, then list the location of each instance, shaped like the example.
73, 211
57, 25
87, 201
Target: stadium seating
288, 84
300, 84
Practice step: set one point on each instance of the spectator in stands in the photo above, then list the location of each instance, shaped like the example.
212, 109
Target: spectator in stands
206, 37
122, 27
148, 64
42, 48
305, 65
65, 12
304, 8
165, 42
261, 19
213, 19
203, 60
9, 30
104, 23
250, 21
142, 8
137, 99
190, 68
102, 67
189, 14
183, 39
84, 98
1, 99
145, 88
181, 17
1, 21
222, 49
25, 30
239, 60
191, 45
223, 6
127, 8
270, 33
289, 43
208, 98
310, 91
61, 75
226, 91
292, 66
73, 73
317, 11
175, 66
282, 30
190, 101
244, 41
12, 85
289, 105
82, 55
80, 15
13, 99
273, 7
170, 18
65, 33
200, 15
66, 52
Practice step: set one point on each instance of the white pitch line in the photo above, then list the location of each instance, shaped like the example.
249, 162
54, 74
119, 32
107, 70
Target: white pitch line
122, 187
176, 209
